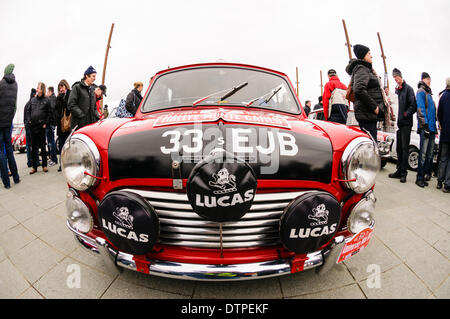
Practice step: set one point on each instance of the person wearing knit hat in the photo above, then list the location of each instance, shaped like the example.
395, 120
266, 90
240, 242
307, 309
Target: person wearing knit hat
9, 69
360, 51
82, 101
406, 108
8, 101
426, 128
396, 72
370, 103
425, 75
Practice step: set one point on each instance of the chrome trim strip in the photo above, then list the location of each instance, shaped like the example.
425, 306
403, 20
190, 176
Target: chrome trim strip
190, 215
199, 244
215, 231
182, 197
205, 223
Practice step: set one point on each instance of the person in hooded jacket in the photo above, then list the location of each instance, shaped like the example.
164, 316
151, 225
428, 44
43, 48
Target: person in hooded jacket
39, 114
82, 101
443, 115
134, 98
8, 100
426, 128
335, 107
27, 124
370, 102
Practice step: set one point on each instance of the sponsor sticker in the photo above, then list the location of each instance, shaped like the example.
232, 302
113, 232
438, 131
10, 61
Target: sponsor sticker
237, 116
355, 244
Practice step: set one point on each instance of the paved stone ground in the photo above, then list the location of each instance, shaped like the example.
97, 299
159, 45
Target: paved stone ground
410, 248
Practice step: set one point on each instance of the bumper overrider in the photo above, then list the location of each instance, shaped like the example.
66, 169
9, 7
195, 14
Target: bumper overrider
360, 220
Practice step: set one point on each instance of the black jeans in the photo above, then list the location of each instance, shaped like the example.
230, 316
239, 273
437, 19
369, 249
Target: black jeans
371, 127
38, 142
403, 139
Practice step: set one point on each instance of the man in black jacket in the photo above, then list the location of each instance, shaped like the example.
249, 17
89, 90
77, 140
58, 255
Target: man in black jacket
8, 99
27, 123
50, 130
406, 108
82, 101
39, 114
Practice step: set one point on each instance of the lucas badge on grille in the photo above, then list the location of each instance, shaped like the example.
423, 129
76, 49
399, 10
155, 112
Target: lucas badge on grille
181, 226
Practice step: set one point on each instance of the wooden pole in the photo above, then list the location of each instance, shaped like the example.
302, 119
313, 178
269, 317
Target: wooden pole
384, 60
296, 69
108, 46
387, 114
321, 84
348, 41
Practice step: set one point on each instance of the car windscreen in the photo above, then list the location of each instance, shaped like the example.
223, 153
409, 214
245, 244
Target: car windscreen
225, 86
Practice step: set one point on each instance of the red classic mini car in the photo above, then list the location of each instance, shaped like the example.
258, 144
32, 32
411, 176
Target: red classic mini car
220, 176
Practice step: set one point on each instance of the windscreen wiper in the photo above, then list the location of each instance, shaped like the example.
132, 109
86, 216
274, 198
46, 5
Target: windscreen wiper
229, 93
274, 92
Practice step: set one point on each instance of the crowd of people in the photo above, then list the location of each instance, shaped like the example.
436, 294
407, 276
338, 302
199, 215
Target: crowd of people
372, 105
81, 105
73, 108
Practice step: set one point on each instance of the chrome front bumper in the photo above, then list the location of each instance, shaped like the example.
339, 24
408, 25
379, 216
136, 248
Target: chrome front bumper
112, 258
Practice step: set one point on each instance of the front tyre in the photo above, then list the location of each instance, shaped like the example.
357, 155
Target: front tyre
413, 158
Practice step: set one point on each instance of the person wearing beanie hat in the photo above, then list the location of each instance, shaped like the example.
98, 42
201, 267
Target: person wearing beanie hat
335, 106
9, 69
370, 101
82, 101
425, 75
406, 108
360, 51
396, 72
426, 128
8, 100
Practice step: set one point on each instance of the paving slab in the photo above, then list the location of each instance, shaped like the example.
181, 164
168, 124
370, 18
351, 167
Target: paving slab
352, 291
375, 254
70, 279
254, 289
308, 282
15, 238
397, 283
12, 282
124, 290
35, 259
7, 222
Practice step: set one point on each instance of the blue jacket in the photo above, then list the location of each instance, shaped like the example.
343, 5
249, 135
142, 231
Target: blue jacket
444, 116
423, 117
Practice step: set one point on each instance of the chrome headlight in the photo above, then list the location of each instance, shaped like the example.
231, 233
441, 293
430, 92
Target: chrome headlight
80, 161
78, 213
362, 215
360, 164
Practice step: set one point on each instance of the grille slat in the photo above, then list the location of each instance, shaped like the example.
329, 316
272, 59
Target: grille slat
181, 226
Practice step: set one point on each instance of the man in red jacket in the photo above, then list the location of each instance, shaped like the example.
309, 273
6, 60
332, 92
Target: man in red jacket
335, 106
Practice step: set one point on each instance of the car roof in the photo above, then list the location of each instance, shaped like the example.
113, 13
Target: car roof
219, 64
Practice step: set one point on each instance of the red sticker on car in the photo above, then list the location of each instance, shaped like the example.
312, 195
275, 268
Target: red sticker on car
237, 116
355, 244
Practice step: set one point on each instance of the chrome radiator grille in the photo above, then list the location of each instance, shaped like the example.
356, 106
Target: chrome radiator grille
180, 225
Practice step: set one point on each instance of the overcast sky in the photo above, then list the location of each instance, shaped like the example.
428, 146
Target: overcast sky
50, 40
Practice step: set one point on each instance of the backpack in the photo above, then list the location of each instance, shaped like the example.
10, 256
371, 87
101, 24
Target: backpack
338, 96
122, 110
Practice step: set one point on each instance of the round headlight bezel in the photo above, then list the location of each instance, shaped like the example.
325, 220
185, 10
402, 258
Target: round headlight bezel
88, 180
78, 213
349, 155
365, 205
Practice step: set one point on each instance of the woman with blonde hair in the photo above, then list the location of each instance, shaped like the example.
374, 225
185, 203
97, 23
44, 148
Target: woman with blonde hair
134, 98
